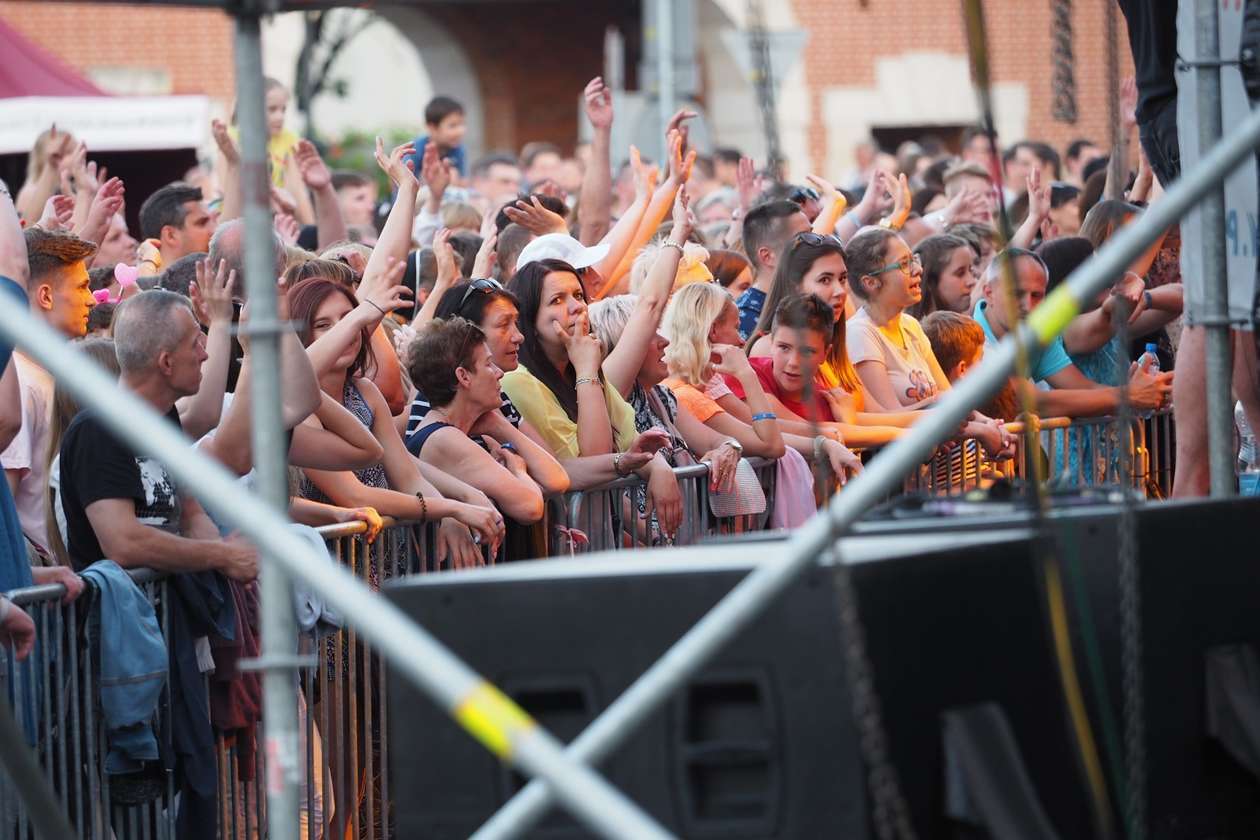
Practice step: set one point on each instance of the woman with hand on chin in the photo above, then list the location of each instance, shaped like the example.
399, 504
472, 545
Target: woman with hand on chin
560, 389
336, 330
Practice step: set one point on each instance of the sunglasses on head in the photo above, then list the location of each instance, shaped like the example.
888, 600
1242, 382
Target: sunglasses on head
800, 195
485, 285
810, 238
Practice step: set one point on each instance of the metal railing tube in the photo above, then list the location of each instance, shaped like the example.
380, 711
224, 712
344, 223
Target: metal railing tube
480, 708
885, 473
277, 659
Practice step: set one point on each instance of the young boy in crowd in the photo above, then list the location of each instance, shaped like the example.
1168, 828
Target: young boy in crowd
444, 120
957, 341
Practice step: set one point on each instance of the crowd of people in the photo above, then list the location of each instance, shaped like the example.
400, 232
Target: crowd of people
492, 333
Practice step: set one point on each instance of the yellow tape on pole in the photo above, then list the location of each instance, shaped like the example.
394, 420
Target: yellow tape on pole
1051, 317
492, 718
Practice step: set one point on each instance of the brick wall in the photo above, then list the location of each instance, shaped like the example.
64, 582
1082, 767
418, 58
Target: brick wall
192, 46
847, 36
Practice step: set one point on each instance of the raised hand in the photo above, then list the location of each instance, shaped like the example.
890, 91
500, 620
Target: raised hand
314, 171
211, 292
487, 255
746, 182
287, 228
535, 218
1131, 291
58, 211
684, 220
827, 191
1038, 197
282, 201
969, 206
435, 173
447, 263
899, 187
598, 104
646, 175
227, 146
396, 164
387, 294
680, 160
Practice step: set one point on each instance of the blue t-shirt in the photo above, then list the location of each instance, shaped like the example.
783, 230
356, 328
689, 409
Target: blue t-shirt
15, 568
1044, 364
750, 304
456, 156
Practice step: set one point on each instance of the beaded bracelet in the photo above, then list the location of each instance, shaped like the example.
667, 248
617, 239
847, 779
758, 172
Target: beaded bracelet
765, 415
424, 506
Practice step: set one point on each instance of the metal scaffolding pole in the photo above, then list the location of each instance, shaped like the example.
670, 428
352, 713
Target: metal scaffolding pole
1218, 352
415, 655
666, 93
278, 658
746, 601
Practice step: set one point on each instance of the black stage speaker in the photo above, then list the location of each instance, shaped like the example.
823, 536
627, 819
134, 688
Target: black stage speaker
1200, 619
761, 743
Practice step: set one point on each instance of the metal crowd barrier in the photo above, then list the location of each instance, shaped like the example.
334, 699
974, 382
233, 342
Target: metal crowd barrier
612, 516
55, 696
345, 786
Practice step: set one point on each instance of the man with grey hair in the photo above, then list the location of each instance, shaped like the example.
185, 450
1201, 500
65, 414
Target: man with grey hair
125, 506
228, 244
1070, 393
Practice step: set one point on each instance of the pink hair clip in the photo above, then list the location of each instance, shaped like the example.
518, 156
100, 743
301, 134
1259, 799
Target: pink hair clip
124, 276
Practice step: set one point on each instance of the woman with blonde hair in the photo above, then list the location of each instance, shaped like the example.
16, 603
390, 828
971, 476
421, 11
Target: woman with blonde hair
702, 324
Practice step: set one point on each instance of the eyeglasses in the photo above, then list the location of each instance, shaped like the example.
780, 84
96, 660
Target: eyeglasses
485, 285
808, 237
905, 265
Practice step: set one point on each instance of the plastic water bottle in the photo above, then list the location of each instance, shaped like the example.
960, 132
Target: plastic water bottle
1149, 362
1248, 467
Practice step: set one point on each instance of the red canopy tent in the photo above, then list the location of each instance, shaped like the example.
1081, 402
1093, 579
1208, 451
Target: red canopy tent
30, 70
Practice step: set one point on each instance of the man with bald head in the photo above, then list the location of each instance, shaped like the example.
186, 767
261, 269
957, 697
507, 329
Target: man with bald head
1071, 393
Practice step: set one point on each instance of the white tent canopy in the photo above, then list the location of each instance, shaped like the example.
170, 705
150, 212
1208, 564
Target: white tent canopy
107, 123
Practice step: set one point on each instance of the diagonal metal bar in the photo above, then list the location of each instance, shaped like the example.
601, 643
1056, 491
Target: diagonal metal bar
746, 601
477, 705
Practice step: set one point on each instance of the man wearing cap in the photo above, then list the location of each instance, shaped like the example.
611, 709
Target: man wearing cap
561, 246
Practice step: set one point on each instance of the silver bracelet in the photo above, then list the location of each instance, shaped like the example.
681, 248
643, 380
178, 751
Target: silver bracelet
585, 380
671, 244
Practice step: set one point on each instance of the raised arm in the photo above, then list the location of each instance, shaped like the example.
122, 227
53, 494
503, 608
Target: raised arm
622, 364
211, 295
595, 201
1038, 210
395, 239
329, 224
229, 172
622, 233
662, 200
833, 205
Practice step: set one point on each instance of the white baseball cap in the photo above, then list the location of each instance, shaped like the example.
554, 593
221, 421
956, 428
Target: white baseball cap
561, 246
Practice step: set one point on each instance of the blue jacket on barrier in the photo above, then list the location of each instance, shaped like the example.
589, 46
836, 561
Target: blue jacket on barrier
133, 666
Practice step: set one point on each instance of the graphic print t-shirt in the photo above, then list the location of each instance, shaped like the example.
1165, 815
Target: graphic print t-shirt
96, 465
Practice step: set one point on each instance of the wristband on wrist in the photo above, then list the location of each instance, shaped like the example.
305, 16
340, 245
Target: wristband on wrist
671, 244
1148, 299
424, 506
617, 463
765, 415
375, 304
585, 380
853, 218
818, 447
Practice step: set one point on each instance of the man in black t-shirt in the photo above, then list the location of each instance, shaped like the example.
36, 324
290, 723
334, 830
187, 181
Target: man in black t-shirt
126, 506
